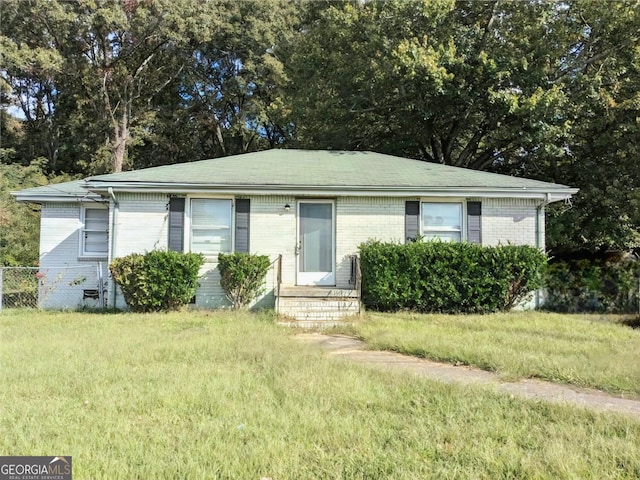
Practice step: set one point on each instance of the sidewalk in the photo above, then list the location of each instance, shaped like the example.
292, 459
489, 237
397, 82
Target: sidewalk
355, 350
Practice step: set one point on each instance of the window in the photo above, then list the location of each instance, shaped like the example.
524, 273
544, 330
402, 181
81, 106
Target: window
210, 226
442, 221
95, 232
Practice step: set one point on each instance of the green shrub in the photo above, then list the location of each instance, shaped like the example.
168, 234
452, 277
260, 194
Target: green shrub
592, 286
157, 280
448, 277
242, 276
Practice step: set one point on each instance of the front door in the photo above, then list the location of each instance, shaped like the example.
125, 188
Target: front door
316, 245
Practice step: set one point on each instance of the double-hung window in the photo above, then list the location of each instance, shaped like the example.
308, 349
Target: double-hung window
442, 221
210, 226
94, 236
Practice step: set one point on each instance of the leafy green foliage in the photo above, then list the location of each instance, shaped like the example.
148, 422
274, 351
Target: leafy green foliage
157, 280
462, 83
20, 223
592, 286
242, 276
448, 277
547, 90
105, 86
602, 151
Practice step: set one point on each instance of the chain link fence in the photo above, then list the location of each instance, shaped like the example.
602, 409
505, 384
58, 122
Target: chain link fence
18, 287
57, 288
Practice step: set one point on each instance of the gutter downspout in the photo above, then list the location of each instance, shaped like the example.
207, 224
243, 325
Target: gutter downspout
540, 240
114, 235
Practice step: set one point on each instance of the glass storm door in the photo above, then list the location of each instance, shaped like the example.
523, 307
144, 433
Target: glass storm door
316, 247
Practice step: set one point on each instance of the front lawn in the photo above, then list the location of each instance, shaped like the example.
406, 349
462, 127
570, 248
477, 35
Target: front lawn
219, 395
580, 350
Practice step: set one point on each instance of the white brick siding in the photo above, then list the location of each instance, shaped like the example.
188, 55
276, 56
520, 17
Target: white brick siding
142, 226
273, 231
59, 234
142, 223
509, 220
359, 219
64, 274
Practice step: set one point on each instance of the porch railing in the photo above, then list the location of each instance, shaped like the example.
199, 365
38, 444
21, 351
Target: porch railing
278, 274
277, 264
355, 278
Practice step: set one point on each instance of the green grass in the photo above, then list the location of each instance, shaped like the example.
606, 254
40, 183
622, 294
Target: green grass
580, 350
197, 395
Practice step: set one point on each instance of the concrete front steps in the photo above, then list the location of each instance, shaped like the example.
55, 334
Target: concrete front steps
316, 306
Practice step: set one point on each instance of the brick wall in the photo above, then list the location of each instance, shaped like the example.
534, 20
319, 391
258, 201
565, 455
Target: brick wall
142, 223
509, 221
59, 234
142, 226
64, 274
359, 219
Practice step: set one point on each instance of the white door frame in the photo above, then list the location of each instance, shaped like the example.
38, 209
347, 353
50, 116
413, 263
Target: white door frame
315, 278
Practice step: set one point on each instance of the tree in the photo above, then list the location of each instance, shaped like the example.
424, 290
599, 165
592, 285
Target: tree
145, 78
540, 89
231, 91
547, 90
19, 223
603, 151
99, 67
27, 82
123, 55
454, 83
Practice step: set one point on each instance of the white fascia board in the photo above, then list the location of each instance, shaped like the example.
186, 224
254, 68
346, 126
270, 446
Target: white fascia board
362, 191
27, 198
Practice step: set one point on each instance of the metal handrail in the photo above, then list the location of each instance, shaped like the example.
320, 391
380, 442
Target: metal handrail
279, 275
356, 274
277, 264
358, 277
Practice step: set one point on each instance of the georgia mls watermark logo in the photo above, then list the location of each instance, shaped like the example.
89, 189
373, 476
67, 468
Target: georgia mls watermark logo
35, 468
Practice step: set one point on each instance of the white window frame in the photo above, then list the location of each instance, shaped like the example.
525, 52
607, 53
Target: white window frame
463, 213
188, 234
83, 253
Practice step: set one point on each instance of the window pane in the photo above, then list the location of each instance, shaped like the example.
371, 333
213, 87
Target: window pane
316, 231
95, 238
443, 237
96, 243
442, 216
442, 221
210, 240
210, 225
96, 219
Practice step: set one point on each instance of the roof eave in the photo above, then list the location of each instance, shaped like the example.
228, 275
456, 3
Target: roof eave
551, 194
44, 198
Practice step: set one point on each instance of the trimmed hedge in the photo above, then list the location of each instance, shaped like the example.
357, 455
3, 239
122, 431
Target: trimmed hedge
242, 276
448, 277
157, 280
592, 286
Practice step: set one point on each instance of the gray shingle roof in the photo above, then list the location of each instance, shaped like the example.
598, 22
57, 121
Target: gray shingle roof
320, 168
72, 190
314, 169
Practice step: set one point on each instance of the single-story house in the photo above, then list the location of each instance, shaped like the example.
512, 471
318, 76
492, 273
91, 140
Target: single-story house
307, 210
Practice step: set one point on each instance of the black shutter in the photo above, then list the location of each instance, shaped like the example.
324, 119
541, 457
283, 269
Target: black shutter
474, 222
176, 224
411, 221
242, 224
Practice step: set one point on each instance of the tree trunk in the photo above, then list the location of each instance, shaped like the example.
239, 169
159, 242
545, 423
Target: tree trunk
121, 137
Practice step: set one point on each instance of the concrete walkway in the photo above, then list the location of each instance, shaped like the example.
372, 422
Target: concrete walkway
355, 350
